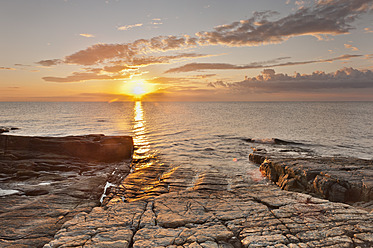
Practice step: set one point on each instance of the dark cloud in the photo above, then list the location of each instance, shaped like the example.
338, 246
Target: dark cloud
271, 82
254, 65
330, 17
49, 62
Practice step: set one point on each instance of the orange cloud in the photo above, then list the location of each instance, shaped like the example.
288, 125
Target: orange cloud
85, 76
349, 46
326, 17
49, 62
7, 68
87, 35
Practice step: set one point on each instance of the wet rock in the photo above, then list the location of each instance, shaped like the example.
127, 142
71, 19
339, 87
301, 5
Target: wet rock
239, 218
36, 192
51, 188
89, 147
336, 179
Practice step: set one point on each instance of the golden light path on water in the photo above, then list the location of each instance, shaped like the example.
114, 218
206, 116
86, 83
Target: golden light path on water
139, 138
154, 173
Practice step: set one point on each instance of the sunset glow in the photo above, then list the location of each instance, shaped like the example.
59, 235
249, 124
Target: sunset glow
137, 88
273, 50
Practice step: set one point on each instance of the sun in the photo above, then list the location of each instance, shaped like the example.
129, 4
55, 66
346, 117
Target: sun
137, 88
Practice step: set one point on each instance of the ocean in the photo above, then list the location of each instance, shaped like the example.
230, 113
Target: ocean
207, 133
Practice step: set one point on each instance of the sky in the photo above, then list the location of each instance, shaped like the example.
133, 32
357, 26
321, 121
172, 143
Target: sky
195, 50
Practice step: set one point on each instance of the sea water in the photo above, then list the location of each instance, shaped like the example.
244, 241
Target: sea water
215, 133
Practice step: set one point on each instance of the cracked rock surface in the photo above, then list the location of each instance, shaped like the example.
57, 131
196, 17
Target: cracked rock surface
335, 179
217, 208
43, 184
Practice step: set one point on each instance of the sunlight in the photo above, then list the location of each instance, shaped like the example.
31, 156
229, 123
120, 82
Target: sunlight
139, 138
137, 88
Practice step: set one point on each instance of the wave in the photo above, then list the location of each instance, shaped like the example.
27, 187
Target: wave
274, 141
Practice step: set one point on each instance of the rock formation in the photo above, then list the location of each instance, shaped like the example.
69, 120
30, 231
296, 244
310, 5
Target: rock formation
336, 179
46, 181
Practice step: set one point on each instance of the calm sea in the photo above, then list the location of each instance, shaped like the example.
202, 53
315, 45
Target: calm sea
216, 133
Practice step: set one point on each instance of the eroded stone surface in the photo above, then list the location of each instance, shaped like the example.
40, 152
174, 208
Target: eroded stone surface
255, 215
336, 179
45, 189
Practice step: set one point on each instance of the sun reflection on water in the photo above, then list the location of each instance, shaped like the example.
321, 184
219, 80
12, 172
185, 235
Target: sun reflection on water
146, 177
140, 140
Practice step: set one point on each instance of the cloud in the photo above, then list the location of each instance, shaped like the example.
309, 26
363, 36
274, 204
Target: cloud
116, 68
181, 93
156, 23
49, 62
149, 60
349, 46
329, 17
127, 27
254, 65
168, 80
326, 17
87, 35
119, 69
222, 66
271, 82
100, 53
85, 76
7, 68
368, 30
22, 65
204, 76
218, 84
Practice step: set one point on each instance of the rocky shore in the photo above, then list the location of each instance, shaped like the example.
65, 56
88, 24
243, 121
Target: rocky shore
218, 210
347, 180
46, 181
160, 205
208, 206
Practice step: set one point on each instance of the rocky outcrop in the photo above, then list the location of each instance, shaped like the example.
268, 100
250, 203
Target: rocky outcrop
47, 181
245, 216
207, 206
89, 147
160, 205
7, 129
335, 179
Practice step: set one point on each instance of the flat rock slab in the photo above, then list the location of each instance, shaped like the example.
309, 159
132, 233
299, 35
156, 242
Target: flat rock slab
252, 216
336, 179
41, 189
94, 147
208, 208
